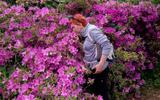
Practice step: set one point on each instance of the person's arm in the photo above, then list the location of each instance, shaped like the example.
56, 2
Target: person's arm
106, 46
103, 60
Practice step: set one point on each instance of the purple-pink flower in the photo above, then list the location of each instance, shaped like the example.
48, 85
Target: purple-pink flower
63, 21
26, 97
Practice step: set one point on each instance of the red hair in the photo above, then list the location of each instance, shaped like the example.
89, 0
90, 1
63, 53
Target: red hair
77, 19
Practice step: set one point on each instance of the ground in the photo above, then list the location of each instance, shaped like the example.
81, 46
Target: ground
150, 94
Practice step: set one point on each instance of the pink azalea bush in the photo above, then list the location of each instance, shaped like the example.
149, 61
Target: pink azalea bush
51, 55
130, 27
51, 63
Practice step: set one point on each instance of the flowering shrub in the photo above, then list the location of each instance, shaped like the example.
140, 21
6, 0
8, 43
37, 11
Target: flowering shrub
128, 26
50, 54
51, 63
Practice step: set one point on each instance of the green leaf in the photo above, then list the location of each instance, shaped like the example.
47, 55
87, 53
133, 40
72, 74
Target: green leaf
3, 71
155, 1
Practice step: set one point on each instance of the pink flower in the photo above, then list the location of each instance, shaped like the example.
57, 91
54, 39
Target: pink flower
44, 91
27, 35
44, 11
63, 21
48, 74
12, 24
18, 9
42, 1
40, 68
64, 92
16, 73
141, 82
137, 76
129, 36
26, 97
5, 55
100, 97
41, 12
109, 30
118, 34
7, 11
19, 32
56, 60
10, 84
44, 31
25, 24
18, 44
100, 8
52, 27
73, 50
25, 77
23, 88
126, 89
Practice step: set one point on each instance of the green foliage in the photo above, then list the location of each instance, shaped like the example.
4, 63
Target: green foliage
130, 1
11, 2
152, 77
137, 1
155, 1
118, 72
126, 56
50, 4
59, 4
117, 80
7, 69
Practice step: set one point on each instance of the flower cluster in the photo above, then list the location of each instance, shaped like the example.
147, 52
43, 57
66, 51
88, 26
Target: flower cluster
5, 55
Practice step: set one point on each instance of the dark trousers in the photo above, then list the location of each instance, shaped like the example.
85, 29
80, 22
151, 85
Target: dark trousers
100, 85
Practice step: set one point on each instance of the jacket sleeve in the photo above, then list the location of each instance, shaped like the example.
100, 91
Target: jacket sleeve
100, 38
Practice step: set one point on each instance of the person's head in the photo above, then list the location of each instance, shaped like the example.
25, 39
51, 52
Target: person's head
78, 22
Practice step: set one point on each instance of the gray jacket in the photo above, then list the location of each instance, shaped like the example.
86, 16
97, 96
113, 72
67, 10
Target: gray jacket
100, 45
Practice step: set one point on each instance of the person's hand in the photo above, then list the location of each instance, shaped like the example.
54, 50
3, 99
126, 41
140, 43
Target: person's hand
98, 68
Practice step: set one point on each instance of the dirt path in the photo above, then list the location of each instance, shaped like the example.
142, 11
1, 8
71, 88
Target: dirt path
150, 94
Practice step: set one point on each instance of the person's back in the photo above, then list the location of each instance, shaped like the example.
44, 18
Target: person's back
93, 50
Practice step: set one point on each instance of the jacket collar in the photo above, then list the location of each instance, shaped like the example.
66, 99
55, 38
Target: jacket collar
83, 32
